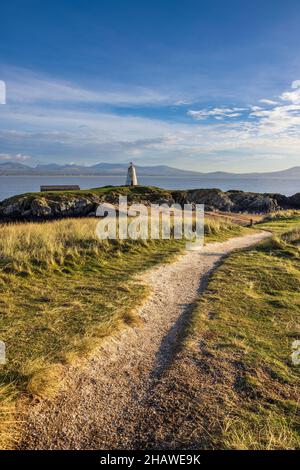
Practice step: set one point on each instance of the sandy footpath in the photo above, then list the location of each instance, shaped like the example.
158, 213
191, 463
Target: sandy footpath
101, 403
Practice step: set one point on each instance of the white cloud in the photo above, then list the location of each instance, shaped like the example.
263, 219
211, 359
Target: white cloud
19, 157
296, 84
292, 96
50, 132
217, 113
269, 102
182, 103
2, 92
25, 87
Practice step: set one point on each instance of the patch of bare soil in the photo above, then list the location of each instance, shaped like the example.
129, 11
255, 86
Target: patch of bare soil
140, 391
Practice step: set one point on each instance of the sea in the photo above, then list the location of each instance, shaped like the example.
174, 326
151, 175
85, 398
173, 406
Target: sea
13, 185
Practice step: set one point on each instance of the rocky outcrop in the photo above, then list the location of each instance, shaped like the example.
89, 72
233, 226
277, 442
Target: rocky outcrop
295, 201
43, 206
252, 202
213, 199
28, 208
238, 201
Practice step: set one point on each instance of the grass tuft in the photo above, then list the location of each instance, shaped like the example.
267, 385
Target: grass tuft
265, 430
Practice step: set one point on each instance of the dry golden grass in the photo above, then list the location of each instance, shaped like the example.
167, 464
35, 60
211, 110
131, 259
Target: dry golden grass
25, 247
39, 246
9, 433
282, 215
243, 219
250, 432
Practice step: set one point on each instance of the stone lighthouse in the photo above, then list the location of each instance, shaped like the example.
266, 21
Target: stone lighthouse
131, 179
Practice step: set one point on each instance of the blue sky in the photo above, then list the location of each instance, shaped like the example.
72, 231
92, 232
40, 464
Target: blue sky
205, 85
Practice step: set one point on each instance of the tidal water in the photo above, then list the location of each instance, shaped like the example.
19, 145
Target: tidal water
12, 185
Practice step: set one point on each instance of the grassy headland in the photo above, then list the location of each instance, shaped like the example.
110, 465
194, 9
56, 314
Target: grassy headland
62, 291
81, 203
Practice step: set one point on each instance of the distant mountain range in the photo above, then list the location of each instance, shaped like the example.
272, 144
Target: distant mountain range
120, 169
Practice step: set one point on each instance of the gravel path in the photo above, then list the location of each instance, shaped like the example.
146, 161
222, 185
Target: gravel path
102, 403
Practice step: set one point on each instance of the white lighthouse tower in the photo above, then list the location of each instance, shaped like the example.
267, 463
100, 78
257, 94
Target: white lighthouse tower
131, 179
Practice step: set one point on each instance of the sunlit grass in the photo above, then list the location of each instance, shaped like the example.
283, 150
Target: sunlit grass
63, 291
247, 320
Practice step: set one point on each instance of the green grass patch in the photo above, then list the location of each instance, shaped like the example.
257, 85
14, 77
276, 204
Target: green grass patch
281, 222
133, 193
248, 319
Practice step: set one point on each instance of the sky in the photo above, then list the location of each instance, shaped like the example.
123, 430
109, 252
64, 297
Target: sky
195, 84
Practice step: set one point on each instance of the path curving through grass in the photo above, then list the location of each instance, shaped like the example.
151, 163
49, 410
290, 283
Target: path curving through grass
103, 404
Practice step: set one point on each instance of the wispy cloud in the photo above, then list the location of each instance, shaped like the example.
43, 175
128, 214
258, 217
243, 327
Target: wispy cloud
267, 101
217, 113
24, 86
275, 119
293, 96
19, 157
217, 137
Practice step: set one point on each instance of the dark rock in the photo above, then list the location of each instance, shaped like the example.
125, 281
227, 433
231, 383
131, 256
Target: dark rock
212, 199
53, 206
40, 208
295, 201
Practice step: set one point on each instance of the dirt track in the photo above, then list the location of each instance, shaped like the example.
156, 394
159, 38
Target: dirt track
105, 404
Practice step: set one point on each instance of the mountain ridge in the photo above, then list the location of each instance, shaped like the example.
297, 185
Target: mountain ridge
119, 169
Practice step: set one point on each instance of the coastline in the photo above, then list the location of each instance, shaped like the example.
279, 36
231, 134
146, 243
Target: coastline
11, 185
